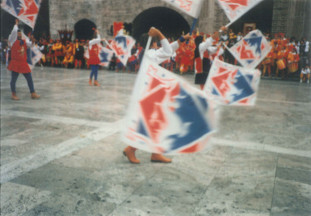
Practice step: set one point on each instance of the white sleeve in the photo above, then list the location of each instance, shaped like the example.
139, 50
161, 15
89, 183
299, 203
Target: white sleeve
175, 46
28, 42
13, 36
162, 54
95, 41
212, 49
205, 46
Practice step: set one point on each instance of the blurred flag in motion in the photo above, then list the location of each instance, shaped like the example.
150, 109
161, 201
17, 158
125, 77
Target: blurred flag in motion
122, 45
190, 7
251, 50
166, 114
25, 10
105, 56
232, 85
234, 9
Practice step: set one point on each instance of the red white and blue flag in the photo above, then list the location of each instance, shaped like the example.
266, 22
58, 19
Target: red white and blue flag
25, 10
234, 9
33, 56
232, 85
252, 49
33, 53
122, 45
105, 56
190, 7
166, 114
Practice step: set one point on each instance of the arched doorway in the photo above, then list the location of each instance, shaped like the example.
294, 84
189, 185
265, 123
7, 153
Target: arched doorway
84, 29
168, 21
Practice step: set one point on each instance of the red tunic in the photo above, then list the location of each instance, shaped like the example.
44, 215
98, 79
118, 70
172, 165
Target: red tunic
18, 61
93, 52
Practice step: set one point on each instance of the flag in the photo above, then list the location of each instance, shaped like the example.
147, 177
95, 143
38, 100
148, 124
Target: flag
252, 49
122, 45
234, 9
25, 10
33, 53
117, 26
232, 85
105, 56
33, 56
190, 7
167, 114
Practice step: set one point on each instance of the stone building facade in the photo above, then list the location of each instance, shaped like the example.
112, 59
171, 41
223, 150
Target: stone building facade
289, 16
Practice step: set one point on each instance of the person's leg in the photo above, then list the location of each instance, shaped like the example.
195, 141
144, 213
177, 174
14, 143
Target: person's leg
95, 75
13, 85
91, 74
28, 77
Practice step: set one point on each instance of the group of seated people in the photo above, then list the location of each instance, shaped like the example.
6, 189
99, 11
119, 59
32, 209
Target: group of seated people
286, 57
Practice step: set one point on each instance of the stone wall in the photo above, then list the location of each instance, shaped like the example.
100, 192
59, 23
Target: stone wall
292, 18
65, 14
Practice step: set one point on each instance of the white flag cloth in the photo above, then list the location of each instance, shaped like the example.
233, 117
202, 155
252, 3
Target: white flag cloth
105, 56
190, 7
166, 114
33, 56
122, 45
25, 10
232, 85
252, 49
234, 9
33, 53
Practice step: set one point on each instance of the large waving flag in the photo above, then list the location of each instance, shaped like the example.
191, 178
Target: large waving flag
252, 49
234, 9
25, 10
122, 45
167, 114
105, 56
232, 85
190, 7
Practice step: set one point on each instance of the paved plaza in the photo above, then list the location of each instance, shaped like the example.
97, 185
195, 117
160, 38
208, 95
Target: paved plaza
62, 155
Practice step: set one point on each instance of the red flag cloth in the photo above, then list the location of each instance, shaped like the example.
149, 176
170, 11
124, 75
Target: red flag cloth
117, 26
25, 10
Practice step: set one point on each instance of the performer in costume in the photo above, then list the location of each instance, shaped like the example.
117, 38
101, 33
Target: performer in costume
158, 55
201, 47
79, 54
58, 52
94, 59
18, 63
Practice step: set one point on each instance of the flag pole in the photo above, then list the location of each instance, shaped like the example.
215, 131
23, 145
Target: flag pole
192, 27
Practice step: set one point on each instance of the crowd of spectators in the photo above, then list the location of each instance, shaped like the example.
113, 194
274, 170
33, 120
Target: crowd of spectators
288, 55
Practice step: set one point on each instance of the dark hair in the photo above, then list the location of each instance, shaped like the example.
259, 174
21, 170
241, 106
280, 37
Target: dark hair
144, 39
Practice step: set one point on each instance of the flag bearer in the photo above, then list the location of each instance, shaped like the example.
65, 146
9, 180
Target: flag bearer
18, 63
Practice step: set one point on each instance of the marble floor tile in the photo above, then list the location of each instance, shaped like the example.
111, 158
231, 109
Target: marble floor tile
291, 198
16, 199
62, 154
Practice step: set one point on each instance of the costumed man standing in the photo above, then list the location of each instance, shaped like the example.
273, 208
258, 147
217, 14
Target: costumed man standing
157, 55
201, 47
94, 58
18, 63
